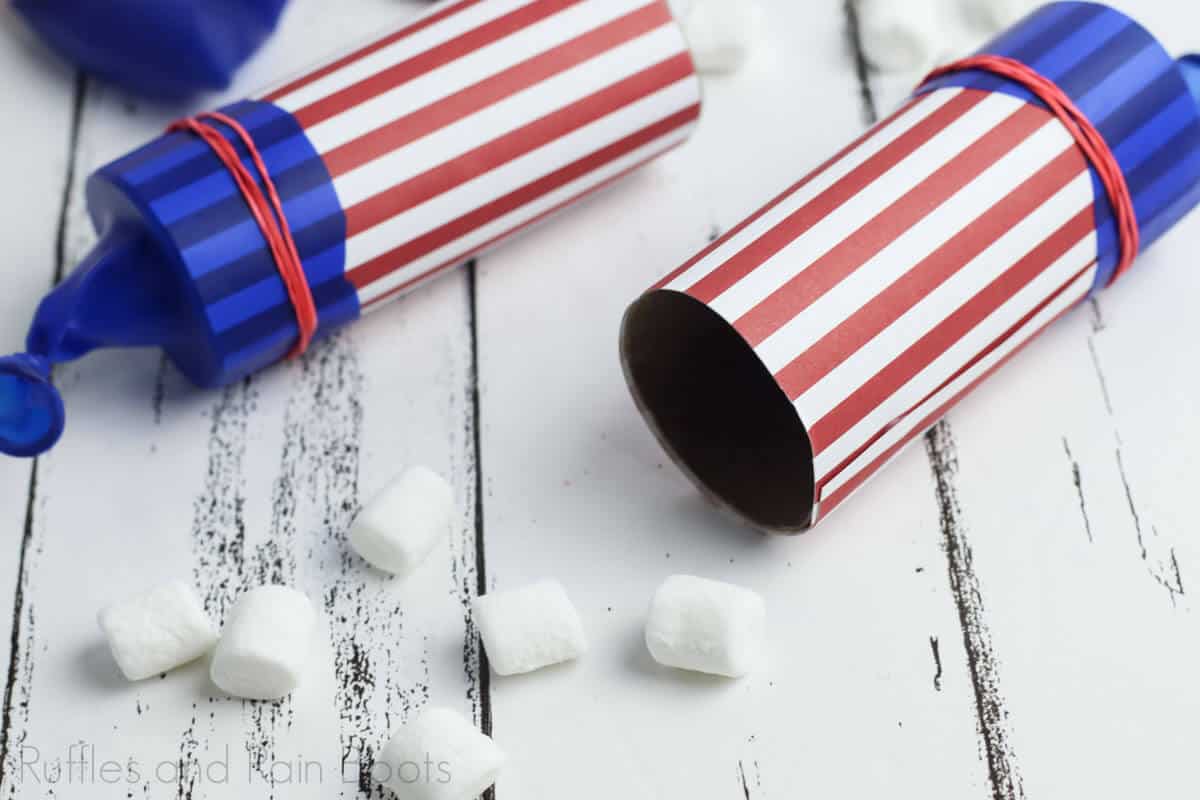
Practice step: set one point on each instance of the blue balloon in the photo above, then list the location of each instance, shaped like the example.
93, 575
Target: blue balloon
166, 49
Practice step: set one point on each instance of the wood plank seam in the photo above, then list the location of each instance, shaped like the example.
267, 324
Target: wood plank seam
60, 245
484, 669
991, 714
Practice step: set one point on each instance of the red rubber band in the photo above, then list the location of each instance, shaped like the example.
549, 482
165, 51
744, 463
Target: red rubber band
268, 213
1089, 139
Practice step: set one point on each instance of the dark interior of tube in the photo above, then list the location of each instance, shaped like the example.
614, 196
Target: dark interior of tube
718, 411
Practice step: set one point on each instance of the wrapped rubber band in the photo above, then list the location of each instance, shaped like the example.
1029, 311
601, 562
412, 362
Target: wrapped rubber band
1088, 138
267, 210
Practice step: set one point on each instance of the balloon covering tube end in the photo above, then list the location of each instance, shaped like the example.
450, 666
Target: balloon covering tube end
31, 409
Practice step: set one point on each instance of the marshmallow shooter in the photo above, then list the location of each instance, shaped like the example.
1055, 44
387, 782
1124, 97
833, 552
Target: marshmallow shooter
241, 236
786, 363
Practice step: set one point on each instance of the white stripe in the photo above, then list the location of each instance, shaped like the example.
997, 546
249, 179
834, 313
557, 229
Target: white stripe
879, 139
965, 284
908, 428
510, 114
467, 245
465, 71
914, 245
519, 172
894, 184
961, 352
401, 50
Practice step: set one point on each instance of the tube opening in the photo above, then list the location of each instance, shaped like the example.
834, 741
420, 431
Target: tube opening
718, 411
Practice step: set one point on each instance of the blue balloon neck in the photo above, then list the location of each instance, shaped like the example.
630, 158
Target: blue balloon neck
120, 296
31, 409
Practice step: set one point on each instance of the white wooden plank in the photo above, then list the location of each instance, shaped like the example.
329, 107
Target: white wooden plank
36, 101
853, 704
252, 484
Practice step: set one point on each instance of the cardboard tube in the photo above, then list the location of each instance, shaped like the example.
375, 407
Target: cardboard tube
785, 364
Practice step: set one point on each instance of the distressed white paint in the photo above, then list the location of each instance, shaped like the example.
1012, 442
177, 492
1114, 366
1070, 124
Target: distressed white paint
35, 106
1096, 658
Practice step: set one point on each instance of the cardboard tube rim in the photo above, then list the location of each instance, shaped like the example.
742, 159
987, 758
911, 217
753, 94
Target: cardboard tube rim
768, 389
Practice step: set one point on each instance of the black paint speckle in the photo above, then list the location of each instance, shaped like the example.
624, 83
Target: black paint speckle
1077, 479
870, 109
1100, 375
188, 767
937, 663
218, 513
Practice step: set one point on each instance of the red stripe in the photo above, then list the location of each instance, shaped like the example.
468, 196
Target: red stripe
459, 105
992, 347
363, 52
404, 196
845, 490
756, 216
529, 223
418, 65
886, 307
978, 357
862, 176
930, 346
782, 305
452, 231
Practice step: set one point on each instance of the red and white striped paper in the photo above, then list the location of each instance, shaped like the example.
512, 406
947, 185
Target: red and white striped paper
884, 285
482, 117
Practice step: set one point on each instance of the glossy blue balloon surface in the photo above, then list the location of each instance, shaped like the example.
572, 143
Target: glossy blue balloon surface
167, 49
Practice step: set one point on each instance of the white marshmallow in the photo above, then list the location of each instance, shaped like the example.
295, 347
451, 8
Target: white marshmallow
900, 35
398, 529
721, 33
438, 756
265, 645
706, 626
158, 630
529, 628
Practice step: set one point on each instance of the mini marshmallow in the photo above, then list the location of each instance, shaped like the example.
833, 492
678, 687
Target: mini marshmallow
399, 528
158, 630
900, 36
529, 628
706, 626
265, 645
721, 33
438, 756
